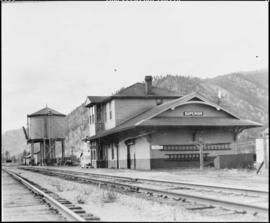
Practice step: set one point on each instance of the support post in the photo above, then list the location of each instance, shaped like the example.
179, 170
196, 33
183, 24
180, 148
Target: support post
63, 150
200, 145
32, 154
44, 151
54, 147
265, 153
201, 155
41, 153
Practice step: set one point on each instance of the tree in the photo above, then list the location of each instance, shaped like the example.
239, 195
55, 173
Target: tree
14, 159
24, 153
7, 155
2, 157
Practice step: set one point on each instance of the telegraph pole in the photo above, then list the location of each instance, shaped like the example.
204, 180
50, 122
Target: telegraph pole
200, 146
201, 156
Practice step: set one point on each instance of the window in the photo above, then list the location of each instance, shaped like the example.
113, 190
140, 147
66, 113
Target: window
110, 110
110, 114
93, 118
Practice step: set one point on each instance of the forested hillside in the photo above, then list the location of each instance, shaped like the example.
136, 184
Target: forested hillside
243, 93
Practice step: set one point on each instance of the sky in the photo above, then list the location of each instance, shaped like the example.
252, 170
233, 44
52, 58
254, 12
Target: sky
58, 53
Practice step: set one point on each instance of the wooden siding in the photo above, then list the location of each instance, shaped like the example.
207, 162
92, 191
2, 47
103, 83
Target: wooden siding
110, 121
125, 108
184, 137
47, 126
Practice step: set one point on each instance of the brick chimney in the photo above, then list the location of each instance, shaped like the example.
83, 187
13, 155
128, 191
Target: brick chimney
148, 85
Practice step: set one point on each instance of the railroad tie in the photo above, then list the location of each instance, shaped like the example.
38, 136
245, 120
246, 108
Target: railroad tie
75, 208
65, 202
240, 212
92, 219
79, 211
200, 208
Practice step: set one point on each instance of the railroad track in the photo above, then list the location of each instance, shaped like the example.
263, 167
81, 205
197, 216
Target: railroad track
170, 189
68, 210
177, 183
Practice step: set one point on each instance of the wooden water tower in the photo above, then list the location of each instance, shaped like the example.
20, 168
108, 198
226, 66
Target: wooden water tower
46, 127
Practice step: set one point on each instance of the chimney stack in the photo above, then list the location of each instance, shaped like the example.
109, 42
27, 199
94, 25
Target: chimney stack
148, 84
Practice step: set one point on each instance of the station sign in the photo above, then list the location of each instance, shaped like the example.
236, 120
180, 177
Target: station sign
193, 113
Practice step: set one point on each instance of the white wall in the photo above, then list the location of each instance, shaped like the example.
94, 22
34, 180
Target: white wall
259, 150
122, 151
141, 149
112, 147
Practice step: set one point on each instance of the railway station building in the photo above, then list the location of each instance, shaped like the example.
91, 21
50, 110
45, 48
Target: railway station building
146, 127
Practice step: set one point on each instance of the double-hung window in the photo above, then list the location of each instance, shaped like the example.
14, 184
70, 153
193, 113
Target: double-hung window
110, 110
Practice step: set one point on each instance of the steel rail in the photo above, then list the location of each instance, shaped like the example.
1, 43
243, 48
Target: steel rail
164, 182
202, 199
64, 210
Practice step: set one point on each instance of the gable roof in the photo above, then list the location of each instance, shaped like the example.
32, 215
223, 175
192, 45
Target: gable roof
148, 117
46, 111
134, 91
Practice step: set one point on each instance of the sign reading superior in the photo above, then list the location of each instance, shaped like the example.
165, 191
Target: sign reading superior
193, 113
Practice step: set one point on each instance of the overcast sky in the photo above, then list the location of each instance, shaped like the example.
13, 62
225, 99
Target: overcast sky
57, 53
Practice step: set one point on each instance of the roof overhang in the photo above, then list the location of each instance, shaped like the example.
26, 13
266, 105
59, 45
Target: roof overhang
180, 123
200, 121
88, 102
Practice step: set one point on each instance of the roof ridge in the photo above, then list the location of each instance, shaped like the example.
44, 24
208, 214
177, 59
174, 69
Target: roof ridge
119, 93
45, 111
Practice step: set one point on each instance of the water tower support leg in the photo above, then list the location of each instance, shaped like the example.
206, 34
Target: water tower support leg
41, 153
32, 153
63, 149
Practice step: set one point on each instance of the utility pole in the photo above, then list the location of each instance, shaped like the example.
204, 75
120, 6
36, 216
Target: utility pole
201, 156
200, 146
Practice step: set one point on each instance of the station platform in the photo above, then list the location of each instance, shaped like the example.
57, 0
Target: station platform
240, 178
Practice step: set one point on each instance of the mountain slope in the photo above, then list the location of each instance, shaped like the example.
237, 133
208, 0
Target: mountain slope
243, 93
14, 141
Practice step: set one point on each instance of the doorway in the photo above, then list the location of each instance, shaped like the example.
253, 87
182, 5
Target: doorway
128, 156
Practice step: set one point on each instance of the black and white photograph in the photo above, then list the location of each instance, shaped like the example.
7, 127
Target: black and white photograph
135, 111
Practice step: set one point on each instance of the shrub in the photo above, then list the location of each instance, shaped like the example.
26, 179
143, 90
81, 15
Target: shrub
59, 188
109, 196
81, 199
